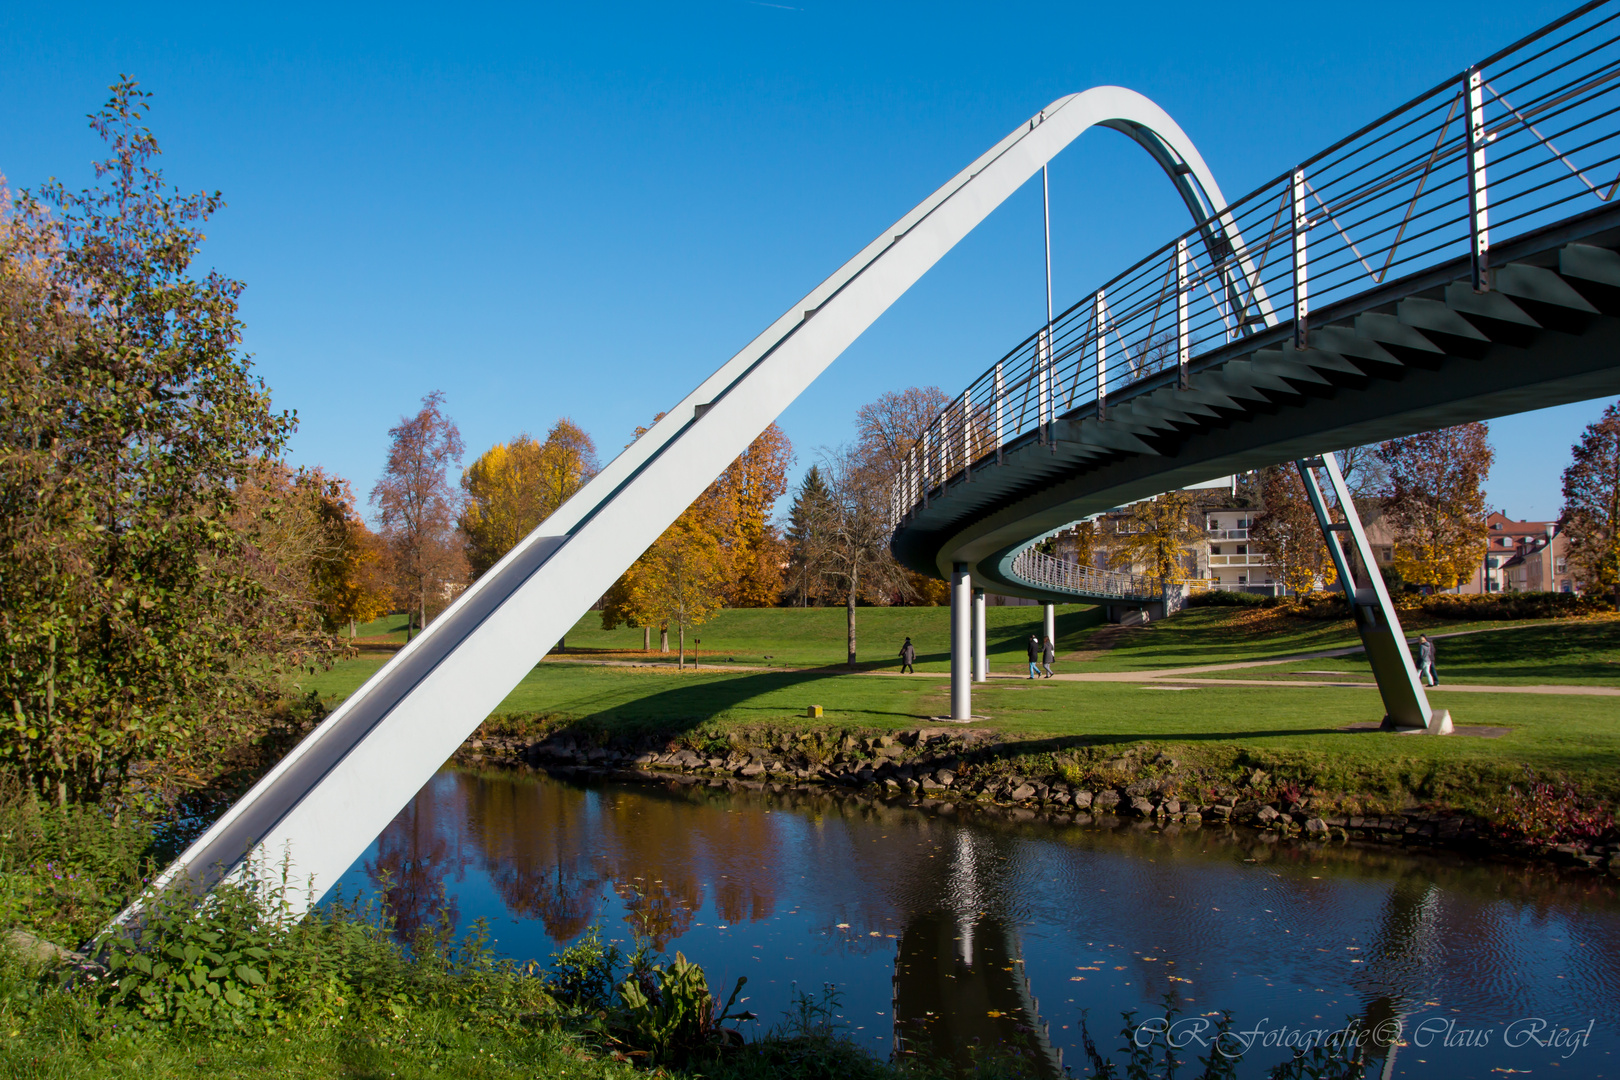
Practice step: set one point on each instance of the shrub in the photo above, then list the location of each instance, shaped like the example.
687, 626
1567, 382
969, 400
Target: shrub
1221, 598
1550, 812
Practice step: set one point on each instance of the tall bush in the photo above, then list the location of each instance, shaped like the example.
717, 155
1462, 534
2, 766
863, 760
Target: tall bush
129, 620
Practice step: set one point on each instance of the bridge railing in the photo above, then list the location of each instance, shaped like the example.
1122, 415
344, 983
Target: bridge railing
1524, 138
1041, 569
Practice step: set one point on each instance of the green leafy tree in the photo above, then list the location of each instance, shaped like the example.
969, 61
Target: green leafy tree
805, 517
132, 622
1591, 515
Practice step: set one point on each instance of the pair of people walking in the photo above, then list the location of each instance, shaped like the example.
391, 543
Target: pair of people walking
1041, 655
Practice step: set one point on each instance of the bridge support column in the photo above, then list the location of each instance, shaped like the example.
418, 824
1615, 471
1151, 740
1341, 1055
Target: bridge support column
981, 657
1051, 624
1405, 703
961, 643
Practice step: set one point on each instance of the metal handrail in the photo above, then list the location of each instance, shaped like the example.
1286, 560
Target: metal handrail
1041, 569
1500, 149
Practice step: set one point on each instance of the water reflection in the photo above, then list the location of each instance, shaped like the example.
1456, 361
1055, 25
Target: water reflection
946, 937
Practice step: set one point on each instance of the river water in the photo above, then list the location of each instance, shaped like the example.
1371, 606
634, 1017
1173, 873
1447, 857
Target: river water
947, 931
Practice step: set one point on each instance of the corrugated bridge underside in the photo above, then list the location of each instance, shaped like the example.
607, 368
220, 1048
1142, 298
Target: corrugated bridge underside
1412, 355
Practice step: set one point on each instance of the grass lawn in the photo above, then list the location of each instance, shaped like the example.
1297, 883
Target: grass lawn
1575, 735
1579, 736
1513, 654
801, 637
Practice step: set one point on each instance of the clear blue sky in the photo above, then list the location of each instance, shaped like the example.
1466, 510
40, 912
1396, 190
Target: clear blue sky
581, 210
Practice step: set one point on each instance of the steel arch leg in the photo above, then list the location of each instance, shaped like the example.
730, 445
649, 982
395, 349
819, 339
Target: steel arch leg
1405, 703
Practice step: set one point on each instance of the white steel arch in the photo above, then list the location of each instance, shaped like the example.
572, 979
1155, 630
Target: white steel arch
320, 806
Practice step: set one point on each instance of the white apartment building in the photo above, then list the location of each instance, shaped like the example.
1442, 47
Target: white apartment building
1231, 560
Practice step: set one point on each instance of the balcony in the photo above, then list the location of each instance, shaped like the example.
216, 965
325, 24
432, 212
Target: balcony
1255, 559
1227, 534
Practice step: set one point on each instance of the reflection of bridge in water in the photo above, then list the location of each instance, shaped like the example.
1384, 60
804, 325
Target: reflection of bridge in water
1453, 260
940, 932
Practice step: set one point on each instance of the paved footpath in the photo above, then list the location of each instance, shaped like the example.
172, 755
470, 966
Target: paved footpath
1181, 677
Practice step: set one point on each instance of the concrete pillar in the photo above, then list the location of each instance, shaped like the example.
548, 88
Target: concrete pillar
961, 643
981, 658
1051, 624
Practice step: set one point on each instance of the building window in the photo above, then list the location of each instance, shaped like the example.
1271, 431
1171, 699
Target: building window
1243, 579
1564, 586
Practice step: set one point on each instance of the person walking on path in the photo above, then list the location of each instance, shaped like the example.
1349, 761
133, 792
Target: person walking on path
1426, 668
1034, 650
1048, 656
908, 657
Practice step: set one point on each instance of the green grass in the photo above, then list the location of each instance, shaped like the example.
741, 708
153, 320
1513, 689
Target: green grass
811, 637
1578, 736
1579, 654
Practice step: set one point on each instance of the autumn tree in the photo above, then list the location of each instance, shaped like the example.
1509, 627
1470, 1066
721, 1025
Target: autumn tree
739, 505
134, 630
1160, 534
349, 582
1287, 530
512, 487
1435, 500
416, 507
1591, 515
680, 581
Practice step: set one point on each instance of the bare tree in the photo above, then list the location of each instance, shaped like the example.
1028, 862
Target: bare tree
851, 535
417, 505
886, 429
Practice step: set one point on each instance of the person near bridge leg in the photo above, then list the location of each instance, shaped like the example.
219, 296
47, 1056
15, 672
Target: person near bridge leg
1426, 668
1048, 656
1034, 650
908, 657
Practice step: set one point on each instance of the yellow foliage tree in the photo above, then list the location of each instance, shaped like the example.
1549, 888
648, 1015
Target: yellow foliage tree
1436, 503
680, 581
1160, 535
514, 486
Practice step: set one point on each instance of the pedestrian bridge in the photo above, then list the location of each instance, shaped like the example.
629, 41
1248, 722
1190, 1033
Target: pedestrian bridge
1453, 260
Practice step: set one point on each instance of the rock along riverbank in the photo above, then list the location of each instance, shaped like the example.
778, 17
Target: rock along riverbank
950, 769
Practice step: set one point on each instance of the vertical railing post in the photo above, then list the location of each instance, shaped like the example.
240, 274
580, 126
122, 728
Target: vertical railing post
1101, 313
1043, 403
1479, 220
1302, 295
967, 434
926, 473
1001, 411
1183, 346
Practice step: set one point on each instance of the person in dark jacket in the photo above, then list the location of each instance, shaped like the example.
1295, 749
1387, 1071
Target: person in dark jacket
1034, 650
908, 657
1426, 668
1048, 656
